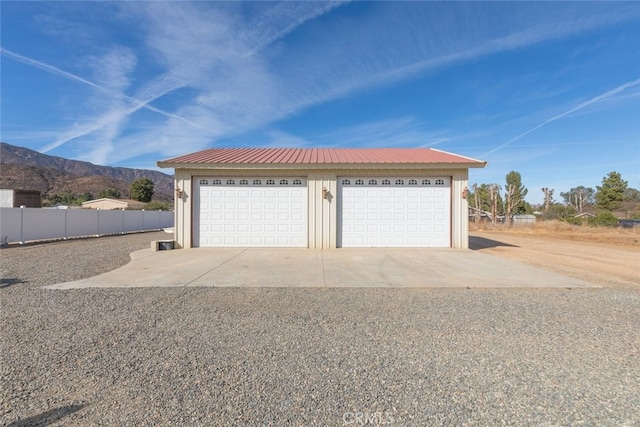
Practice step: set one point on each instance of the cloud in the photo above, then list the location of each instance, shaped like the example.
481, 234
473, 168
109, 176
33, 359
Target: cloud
117, 112
396, 43
282, 19
399, 132
211, 51
105, 91
217, 70
597, 99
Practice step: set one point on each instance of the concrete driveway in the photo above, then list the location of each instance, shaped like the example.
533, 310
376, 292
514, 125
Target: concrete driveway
370, 267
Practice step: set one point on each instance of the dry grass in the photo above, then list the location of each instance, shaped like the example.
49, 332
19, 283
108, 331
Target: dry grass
566, 231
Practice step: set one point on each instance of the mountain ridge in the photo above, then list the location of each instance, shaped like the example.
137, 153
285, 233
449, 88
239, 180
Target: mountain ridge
23, 168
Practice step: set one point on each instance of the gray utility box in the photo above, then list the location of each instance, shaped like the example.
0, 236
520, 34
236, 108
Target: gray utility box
162, 245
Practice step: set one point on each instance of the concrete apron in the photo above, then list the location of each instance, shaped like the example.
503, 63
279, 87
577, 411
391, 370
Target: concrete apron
336, 268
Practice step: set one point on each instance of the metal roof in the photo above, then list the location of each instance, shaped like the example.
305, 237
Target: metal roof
320, 156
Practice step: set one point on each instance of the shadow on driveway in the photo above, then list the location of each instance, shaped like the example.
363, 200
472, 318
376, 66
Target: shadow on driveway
476, 243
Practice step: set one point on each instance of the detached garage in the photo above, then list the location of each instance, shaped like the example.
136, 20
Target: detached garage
321, 198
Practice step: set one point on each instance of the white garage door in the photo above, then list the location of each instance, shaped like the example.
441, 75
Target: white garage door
394, 212
246, 212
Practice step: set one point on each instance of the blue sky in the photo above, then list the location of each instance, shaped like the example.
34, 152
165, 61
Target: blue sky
549, 89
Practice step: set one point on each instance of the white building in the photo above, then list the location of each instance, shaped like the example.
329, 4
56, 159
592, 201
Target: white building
321, 198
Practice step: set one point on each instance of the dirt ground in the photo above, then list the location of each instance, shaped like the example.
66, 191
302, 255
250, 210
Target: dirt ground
607, 259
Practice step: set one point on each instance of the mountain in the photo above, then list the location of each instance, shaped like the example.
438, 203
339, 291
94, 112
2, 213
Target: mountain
22, 168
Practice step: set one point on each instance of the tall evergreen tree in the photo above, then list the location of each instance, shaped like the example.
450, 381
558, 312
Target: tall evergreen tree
611, 193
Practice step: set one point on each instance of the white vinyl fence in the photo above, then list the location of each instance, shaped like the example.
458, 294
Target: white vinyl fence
28, 224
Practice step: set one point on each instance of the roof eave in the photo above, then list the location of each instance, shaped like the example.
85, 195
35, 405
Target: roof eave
320, 166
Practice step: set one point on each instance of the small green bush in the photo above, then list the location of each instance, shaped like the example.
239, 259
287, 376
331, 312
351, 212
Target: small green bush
158, 206
575, 221
604, 218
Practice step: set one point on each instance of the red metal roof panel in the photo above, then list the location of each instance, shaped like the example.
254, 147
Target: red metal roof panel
320, 156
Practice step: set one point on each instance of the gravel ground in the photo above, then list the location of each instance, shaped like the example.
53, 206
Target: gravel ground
225, 356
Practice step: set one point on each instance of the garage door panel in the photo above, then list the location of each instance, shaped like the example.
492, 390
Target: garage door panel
244, 240
394, 212
250, 212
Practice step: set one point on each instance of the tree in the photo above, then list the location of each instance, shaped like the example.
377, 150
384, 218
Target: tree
558, 211
494, 196
68, 198
84, 197
610, 194
158, 206
141, 190
515, 193
548, 197
475, 200
631, 203
631, 195
480, 199
579, 197
109, 193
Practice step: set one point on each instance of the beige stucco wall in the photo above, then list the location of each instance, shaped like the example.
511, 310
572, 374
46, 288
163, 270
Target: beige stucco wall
322, 213
104, 205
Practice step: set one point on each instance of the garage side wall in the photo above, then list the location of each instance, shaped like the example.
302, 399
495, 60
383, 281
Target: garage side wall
183, 208
322, 205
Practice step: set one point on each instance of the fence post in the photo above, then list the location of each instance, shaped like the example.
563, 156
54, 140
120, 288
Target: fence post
122, 228
65, 224
98, 230
22, 225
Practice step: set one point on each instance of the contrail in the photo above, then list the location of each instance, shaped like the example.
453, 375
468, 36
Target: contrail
54, 70
559, 116
109, 118
314, 13
46, 67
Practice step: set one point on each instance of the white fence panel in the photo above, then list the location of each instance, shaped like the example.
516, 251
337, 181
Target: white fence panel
81, 223
152, 219
27, 224
166, 219
42, 224
134, 221
10, 223
111, 222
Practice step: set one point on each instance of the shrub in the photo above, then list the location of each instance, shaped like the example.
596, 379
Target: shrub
158, 206
604, 218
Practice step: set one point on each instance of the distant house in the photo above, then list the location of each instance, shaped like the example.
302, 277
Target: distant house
60, 207
483, 215
109, 204
16, 198
524, 219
